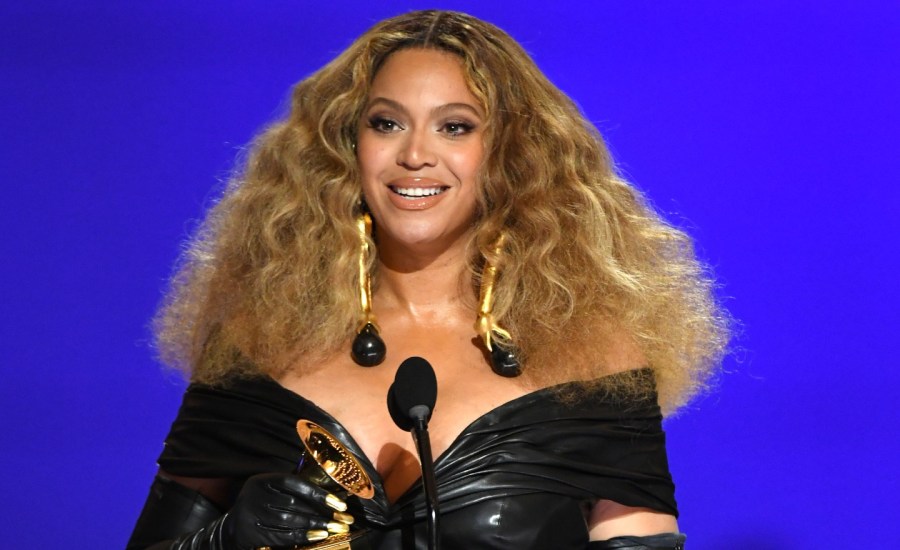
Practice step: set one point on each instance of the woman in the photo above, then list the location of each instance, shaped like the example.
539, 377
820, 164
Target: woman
491, 200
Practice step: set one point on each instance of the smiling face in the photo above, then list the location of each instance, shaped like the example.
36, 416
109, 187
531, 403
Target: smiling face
420, 148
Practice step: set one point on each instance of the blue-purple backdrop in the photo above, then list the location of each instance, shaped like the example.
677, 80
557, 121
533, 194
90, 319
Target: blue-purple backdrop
768, 129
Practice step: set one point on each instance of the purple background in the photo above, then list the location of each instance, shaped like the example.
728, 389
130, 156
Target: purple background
768, 129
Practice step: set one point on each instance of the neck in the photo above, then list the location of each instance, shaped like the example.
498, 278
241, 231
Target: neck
418, 282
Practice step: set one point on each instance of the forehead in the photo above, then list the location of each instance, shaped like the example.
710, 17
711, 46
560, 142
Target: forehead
423, 74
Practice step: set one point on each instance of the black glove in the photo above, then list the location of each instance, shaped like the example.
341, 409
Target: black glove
276, 510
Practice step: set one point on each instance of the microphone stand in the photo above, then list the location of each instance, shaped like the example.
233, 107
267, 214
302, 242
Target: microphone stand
422, 440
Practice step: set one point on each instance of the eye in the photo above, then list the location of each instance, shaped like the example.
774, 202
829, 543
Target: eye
457, 127
384, 125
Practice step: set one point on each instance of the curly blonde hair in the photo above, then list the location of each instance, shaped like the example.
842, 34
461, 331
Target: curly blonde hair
269, 281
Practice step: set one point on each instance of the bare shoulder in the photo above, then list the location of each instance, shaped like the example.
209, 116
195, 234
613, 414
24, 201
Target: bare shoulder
610, 519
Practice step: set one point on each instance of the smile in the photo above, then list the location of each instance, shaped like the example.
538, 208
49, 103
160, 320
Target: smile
418, 191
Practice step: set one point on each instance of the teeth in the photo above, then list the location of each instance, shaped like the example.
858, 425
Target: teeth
418, 191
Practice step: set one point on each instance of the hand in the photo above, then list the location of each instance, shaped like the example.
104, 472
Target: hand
274, 510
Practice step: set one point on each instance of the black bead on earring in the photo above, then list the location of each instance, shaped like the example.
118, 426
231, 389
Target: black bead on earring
368, 348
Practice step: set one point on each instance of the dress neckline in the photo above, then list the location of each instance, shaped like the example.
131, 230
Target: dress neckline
290, 394
502, 410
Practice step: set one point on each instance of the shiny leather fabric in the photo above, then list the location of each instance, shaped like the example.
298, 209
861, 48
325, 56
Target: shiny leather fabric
209, 538
521, 476
667, 541
170, 511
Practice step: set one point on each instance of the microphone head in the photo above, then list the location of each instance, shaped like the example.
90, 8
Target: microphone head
413, 394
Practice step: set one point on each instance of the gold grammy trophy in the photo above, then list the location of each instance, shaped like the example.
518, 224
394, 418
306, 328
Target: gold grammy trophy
328, 464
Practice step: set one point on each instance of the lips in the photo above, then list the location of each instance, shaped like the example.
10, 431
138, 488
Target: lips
416, 193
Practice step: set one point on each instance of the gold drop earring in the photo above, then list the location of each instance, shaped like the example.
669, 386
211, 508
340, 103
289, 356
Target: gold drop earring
503, 358
368, 348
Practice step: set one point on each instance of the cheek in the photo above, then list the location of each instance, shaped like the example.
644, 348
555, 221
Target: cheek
366, 174
371, 161
364, 157
468, 162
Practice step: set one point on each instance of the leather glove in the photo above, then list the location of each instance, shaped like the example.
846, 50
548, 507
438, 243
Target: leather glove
275, 510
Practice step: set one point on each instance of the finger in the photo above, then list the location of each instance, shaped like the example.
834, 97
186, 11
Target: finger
315, 536
292, 518
274, 536
343, 517
310, 492
333, 527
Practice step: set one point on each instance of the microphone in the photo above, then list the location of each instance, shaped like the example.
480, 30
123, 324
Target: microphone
410, 401
413, 394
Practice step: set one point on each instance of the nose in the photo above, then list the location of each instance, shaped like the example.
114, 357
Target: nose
417, 151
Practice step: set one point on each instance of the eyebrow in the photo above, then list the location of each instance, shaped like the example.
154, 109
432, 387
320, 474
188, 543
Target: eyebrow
437, 110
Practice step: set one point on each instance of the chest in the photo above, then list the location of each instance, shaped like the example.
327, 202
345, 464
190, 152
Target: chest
357, 398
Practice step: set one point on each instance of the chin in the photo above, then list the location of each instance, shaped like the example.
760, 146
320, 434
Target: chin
427, 235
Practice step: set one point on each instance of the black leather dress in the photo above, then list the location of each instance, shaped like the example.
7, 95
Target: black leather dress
521, 476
